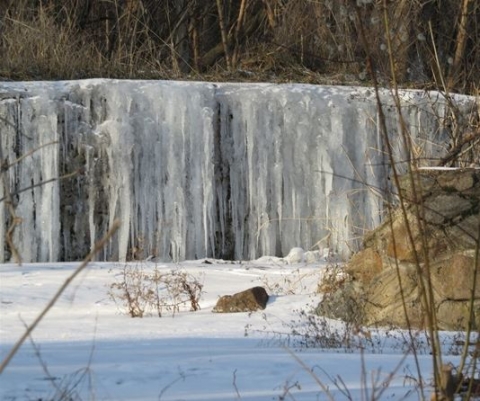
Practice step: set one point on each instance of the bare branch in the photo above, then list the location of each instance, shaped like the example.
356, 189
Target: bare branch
97, 248
18, 160
39, 184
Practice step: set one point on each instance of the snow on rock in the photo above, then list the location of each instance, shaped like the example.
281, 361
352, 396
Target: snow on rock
195, 170
296, 255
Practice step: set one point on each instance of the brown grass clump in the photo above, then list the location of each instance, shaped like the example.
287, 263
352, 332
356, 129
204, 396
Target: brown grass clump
47, 43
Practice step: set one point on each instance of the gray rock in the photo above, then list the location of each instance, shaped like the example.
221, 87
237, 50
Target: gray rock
249, 300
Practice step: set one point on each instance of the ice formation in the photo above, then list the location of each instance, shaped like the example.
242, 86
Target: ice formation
197, 170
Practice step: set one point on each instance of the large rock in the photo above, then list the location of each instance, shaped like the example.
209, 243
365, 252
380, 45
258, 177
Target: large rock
385, 296
249, 300
437, 248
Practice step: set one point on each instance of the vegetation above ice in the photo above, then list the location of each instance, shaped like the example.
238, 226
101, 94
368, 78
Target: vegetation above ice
433, 43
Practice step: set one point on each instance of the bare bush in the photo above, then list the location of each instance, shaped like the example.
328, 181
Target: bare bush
140, 291
332, 279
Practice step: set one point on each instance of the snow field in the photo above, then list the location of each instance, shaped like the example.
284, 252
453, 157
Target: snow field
86, 340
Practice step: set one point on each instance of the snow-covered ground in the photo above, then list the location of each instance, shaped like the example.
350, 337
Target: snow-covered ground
87, 344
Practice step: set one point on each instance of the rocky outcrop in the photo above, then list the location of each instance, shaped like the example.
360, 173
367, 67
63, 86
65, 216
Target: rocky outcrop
249, 300
434, 242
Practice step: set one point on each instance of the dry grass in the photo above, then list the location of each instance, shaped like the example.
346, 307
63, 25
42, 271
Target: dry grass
36, 46
255, 40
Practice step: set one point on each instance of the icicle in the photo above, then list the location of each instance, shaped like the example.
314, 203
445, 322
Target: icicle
199, 170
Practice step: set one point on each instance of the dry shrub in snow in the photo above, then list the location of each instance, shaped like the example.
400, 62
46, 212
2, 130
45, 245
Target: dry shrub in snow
139, 290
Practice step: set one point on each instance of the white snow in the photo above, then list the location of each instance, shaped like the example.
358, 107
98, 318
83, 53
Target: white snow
196, 169
193, 355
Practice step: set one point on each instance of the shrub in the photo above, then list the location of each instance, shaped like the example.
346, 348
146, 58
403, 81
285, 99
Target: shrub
139, 291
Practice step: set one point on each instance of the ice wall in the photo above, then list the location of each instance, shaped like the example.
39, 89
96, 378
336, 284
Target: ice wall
196, 169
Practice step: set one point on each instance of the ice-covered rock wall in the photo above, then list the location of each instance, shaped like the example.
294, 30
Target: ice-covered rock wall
196, 170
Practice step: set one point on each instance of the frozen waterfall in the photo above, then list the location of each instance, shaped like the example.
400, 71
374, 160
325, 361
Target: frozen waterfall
197, 170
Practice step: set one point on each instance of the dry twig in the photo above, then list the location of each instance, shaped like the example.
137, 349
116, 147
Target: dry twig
98, 246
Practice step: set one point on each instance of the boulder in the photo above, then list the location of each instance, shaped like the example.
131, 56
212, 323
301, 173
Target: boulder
435, 247
385, 295
453, 277
249, 300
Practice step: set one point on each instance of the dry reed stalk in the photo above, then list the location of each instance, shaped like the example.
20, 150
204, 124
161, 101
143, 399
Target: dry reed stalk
28, 332
460, 44
224, 34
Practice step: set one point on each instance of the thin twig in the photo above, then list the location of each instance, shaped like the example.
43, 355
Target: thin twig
453, 155
43, 364
8, 122
460, 44
9, 202
313, 375
238, 27
223, 32
97, 248
7, 166
39, 184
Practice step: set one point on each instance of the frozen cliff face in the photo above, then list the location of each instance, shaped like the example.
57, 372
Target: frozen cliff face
198, 169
